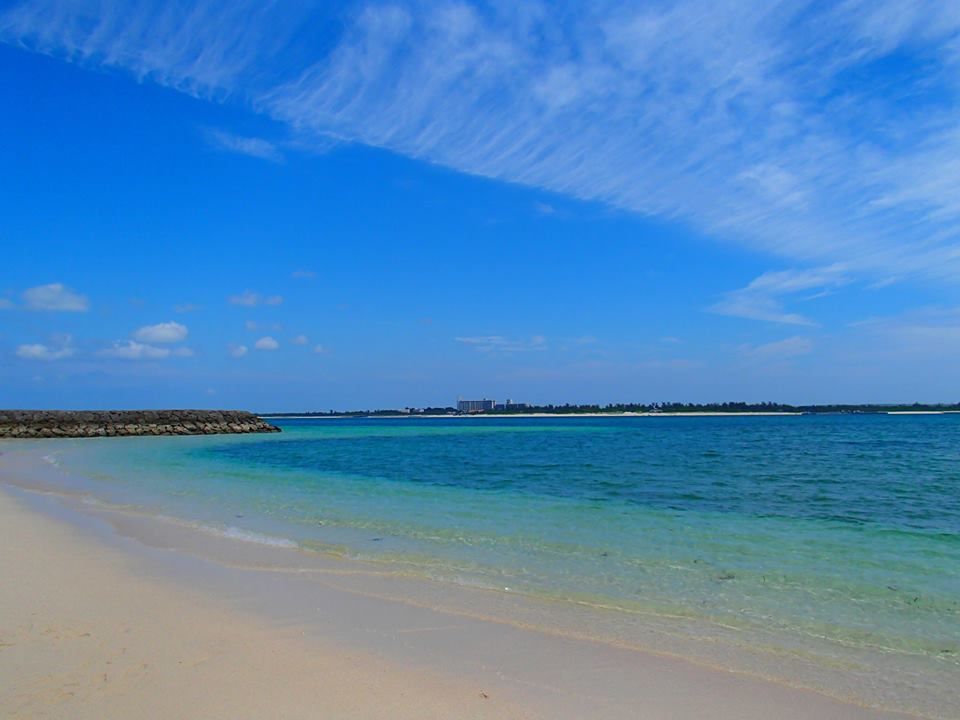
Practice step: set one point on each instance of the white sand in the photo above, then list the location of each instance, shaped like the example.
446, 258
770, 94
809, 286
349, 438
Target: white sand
84, 635
89, 629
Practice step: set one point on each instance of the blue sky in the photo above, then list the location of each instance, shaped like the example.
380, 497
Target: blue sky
374, 204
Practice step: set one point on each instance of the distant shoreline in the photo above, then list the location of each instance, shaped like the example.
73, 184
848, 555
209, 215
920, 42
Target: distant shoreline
481, 416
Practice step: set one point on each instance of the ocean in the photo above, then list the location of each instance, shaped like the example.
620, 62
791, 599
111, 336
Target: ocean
827, 542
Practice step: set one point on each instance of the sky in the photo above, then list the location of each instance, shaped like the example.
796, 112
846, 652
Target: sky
302, 205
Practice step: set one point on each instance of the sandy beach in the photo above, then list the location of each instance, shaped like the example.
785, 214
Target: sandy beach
95, 624
86, 634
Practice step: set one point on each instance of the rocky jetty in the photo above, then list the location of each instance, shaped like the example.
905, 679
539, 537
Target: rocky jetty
110, 423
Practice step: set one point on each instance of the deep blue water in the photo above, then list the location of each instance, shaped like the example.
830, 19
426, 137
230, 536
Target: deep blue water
901, 473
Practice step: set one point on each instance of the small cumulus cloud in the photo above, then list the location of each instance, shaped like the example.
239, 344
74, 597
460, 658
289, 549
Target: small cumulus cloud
301, 340
251, 325
320, 349
250, 146
45, 352
249, 298
132, 350
162, 333
238, 351
55, 297
498, 343
266, 343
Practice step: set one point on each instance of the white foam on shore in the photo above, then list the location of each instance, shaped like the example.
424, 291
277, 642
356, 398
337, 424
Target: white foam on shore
226, 531
232, 532
235, 533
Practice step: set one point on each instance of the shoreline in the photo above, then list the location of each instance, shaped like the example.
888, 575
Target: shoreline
369, 617
507, 416
490, 416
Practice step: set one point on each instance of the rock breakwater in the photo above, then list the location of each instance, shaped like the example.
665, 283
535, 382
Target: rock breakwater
111, 423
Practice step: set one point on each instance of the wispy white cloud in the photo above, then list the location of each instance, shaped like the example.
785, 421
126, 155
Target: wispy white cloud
780, 349
206, 49
320, 349
670, 364
162, 333
301, 340
762, 299
249, 298
5, 304
238, 351
929, 331
253, 326
55, 297
498, 343
251, 146
266, 343
757, 122
186, 308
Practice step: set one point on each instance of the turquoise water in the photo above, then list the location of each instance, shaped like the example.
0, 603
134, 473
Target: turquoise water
837, 530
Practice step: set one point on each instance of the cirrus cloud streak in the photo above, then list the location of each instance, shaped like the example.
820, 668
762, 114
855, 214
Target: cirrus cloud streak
762, 123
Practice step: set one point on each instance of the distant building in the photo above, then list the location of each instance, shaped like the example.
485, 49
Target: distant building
510, 405
475, 406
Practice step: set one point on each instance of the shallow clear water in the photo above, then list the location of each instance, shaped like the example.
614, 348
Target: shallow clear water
836, 533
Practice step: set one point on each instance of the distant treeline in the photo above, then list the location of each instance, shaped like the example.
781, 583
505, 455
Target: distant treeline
664, 408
